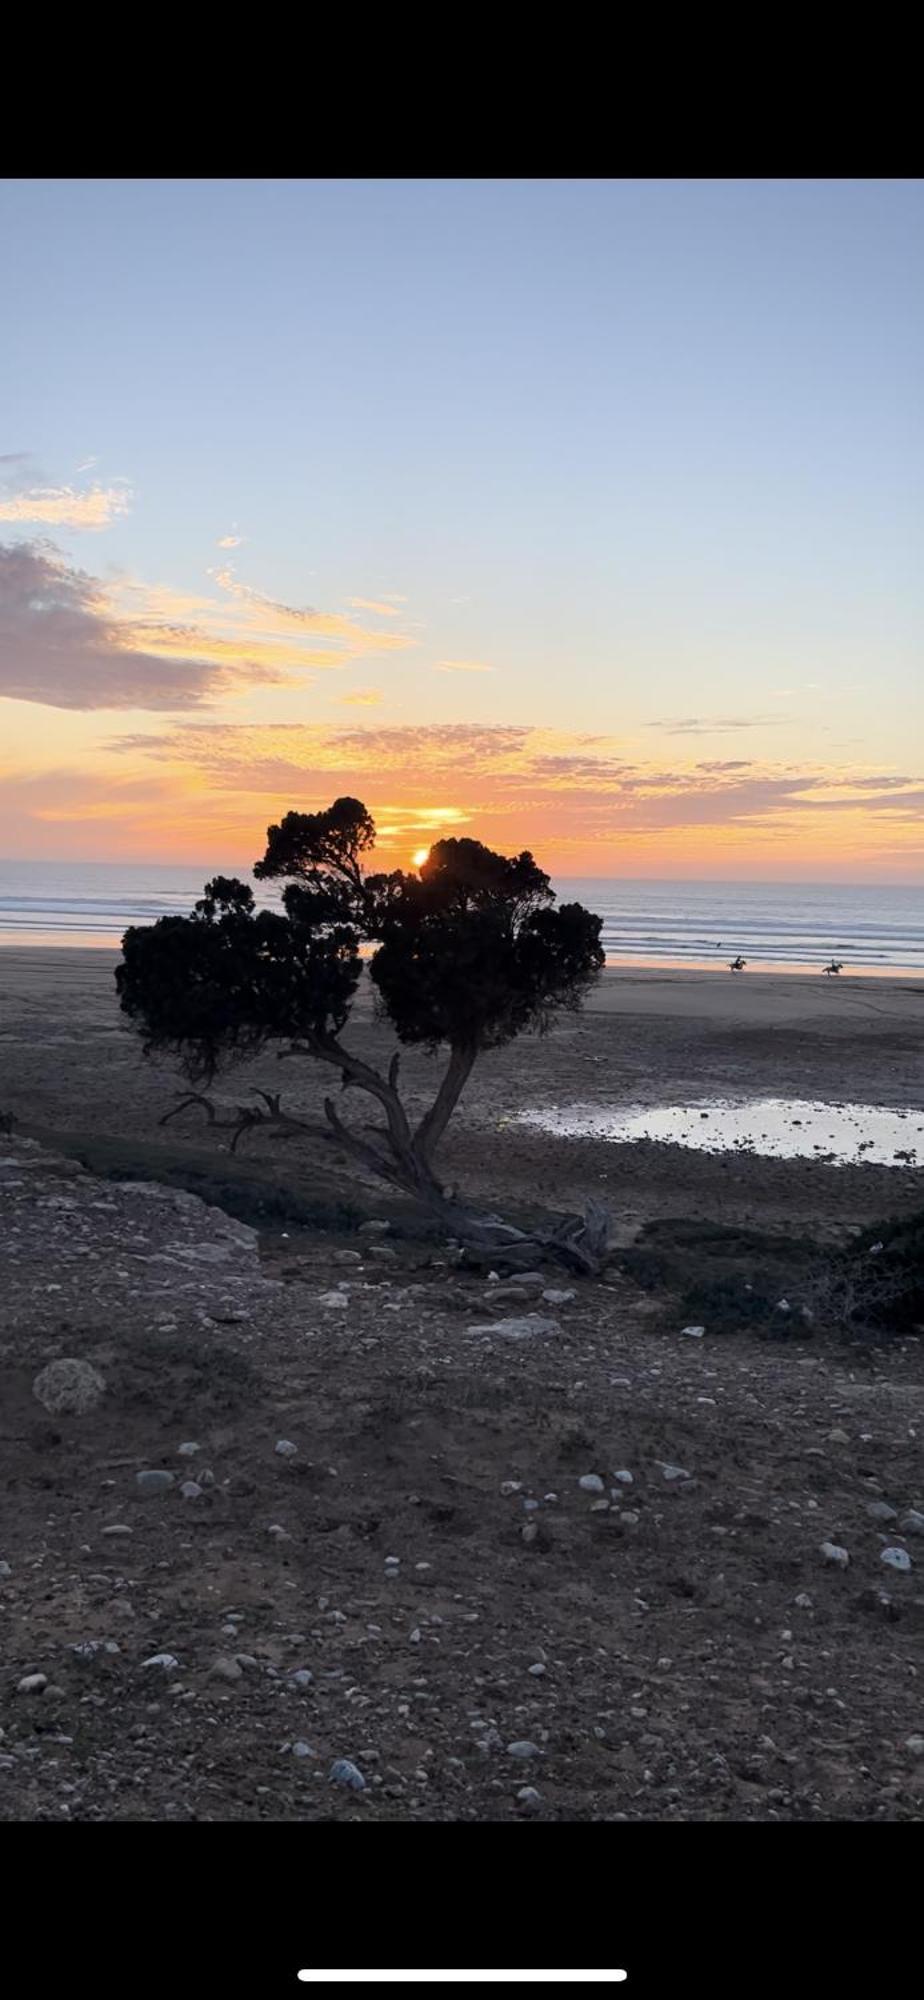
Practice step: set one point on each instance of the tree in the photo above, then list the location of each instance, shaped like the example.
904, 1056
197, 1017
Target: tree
469, 952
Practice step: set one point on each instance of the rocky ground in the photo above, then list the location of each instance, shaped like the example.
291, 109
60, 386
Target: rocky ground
339, 1531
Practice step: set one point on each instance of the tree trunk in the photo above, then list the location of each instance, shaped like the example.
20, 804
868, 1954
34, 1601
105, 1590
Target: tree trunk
434, 1122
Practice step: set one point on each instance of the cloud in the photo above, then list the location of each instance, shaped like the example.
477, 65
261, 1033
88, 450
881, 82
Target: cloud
229, 542
26, 497
61, 644
463, 667
70, 640
704, 725
363, 697
382, 609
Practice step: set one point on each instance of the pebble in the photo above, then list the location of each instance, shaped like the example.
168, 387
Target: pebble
188, 1450
879, 1510
281, 1534
804, 1601
673, 1472
342, 1772
118, 1528
897, 1559
537, 1671
301, 1749
591, 1482
694, 1332
334, 1299
154, 1482
529, 1797
6, 1569
624, 1478
517, 1329
523, 1750
530, 1532
912, 1523
511, 1486
166, 1660
225, 1669
284, 1448
628, 1518
302, 1677
554, 1298
33, 1684
915, 1744
190, 1489
833, 1553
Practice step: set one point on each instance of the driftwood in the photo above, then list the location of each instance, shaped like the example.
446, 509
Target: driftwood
402, 1157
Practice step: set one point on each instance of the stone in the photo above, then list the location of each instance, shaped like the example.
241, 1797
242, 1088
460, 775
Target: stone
6, 1569
335, 1299
591, 1482
69, 1387
302, 1749
915, 1745
833, 1553
694, 1332
284, 1448
154, 1482
378, 1228
188, 1450
118, 1528
343, 1772
32, 1684
166, 1660
879, 1510
556, 1298
225, 1669
897, 1559
518, 1328
190, 1489
529, 1797
912, 1523
672, 1472
509, 1486
625, 1478
523, 1750
301, 1677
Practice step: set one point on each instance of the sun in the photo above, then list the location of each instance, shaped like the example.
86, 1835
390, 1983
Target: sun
420, 855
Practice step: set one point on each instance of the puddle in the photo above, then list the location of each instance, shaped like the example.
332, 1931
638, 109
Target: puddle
781, 1128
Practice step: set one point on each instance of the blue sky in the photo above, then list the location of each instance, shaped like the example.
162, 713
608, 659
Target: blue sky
650, 452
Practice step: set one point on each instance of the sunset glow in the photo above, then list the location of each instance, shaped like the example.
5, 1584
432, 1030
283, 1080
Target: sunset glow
582, 541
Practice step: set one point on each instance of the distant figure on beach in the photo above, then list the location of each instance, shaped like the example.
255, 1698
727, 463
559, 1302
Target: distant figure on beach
836, 965
738, 964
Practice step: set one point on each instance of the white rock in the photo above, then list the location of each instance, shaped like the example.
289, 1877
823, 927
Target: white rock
301, 1749
523, 1750
518, 1328
833, 1553
915, 1744
190, 1489
673, 1472
284, 1448
32, 1684
188, 1450
591, 1482
694, 1332
912, 1523
625, 1478
555, 1298
897, 1559
166, 1660
338, 1300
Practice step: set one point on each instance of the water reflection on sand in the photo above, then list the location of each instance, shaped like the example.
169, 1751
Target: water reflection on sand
781, 1128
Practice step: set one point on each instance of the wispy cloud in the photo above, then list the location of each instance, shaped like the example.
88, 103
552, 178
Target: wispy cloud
381, 608
66, 506
705, 725
229, 542
363, 697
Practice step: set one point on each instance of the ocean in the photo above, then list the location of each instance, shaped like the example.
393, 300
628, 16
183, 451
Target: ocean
787, 926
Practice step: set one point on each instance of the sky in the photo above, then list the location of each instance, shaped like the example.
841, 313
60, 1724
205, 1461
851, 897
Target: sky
576, 515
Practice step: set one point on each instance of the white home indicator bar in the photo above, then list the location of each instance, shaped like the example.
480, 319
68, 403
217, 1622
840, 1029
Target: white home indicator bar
459, 1978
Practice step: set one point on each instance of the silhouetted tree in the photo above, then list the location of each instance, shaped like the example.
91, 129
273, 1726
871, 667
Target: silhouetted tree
469, 953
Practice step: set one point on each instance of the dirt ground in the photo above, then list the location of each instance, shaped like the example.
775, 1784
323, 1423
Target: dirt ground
423, 1582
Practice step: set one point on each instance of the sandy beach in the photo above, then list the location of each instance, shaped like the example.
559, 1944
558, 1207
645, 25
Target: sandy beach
534, 1555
